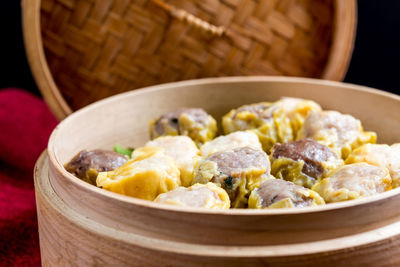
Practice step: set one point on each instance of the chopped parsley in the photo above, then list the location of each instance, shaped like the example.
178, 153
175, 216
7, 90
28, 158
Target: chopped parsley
123, 151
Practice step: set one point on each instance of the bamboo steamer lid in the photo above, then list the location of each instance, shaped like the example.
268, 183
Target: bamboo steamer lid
83, 51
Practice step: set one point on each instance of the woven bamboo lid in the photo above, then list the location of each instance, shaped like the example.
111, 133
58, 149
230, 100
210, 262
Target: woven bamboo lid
83, 50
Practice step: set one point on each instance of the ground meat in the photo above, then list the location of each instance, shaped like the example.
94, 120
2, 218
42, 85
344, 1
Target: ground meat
172, 119
274, 190
308, 150
96, 160
234, 165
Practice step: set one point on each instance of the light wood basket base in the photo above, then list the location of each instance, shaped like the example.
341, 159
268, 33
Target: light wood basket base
68, 238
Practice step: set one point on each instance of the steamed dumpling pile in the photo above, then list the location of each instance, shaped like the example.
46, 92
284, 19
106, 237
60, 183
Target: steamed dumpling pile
285, 154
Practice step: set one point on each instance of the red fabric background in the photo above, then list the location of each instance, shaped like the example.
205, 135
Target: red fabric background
25, 126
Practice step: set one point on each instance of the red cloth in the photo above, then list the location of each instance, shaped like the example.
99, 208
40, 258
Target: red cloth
25, 126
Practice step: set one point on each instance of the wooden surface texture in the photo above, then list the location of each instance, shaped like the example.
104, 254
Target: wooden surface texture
83, 51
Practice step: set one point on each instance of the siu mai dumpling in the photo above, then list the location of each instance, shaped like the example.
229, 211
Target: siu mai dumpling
269, 123
297, 109
230, 142
354, 181
182, 150
303, 162
238, 171
87, 164
379, 155
208, 196
273, 122
149, 173
277, 193
193, 122
342, 133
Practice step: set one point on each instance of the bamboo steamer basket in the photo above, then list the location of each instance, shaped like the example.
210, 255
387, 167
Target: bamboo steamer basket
82, 51
80, 224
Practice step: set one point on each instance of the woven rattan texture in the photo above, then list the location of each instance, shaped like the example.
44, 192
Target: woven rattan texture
97, 48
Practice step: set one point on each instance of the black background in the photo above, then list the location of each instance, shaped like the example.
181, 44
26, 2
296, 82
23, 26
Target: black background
375, 61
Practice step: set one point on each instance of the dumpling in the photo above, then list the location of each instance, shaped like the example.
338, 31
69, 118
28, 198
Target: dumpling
273, 122
276, 193
270, 124
208, 196
379, 155
193, 122
182, 150
342, 133
247, 117
353, 181
303, 162
231, 141
237, 171
87, 164
149, 173
297, 109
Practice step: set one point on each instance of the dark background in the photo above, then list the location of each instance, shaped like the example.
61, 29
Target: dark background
375, 60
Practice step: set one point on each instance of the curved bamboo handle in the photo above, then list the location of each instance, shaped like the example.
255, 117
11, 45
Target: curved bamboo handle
190, 19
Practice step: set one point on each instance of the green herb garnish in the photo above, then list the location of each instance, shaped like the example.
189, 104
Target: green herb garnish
123, 151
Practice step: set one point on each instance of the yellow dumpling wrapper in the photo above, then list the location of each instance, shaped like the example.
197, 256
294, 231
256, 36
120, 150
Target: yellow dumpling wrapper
291, 170
269, 123
340, 132
149, 173
199, 134
208, 196
297, 109
182, 150
272, 122
379, 155
354, 181
230, 142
